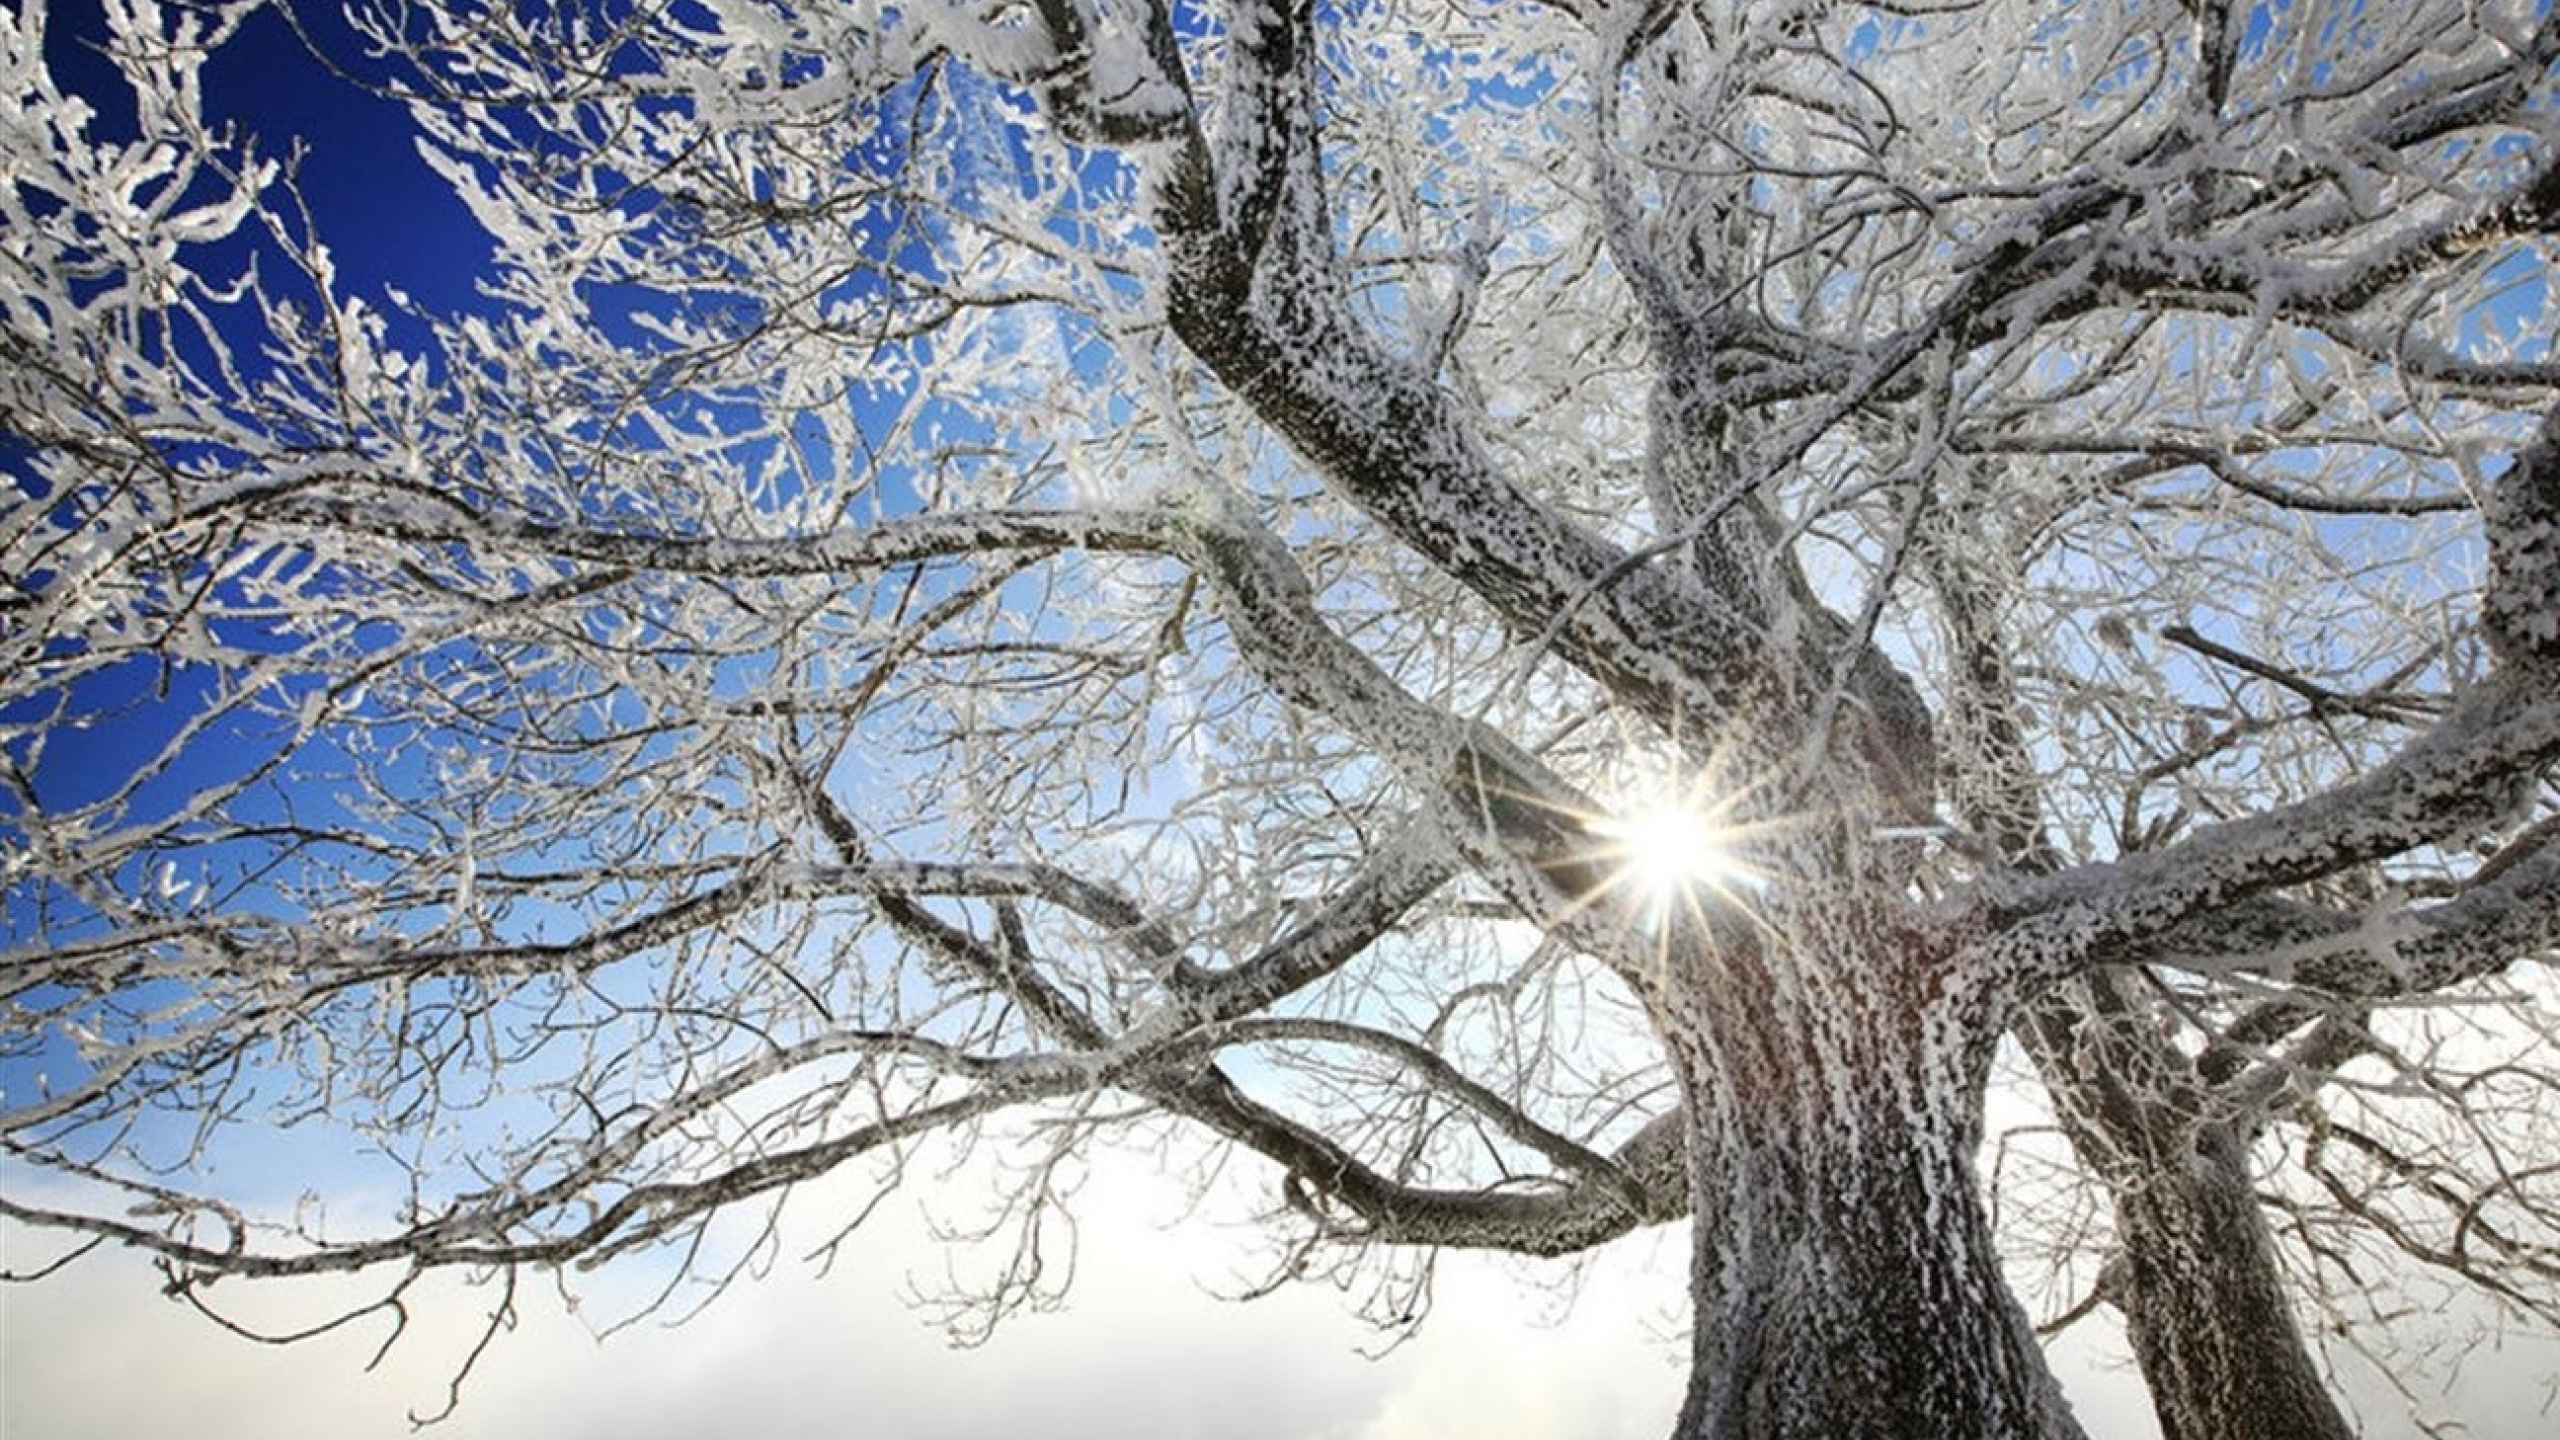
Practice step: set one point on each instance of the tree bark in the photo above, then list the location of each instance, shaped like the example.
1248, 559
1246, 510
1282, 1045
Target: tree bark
2199, 1284
1844, 1274
2205, 1306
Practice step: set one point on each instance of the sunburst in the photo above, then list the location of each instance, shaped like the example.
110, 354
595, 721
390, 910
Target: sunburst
1675, 844
1667, 848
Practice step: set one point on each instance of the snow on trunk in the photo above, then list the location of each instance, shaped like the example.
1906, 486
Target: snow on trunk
1844, 1274
2204, 1295
2206, 1308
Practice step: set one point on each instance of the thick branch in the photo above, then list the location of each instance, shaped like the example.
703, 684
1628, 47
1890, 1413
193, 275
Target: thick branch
2456, 773
439, 520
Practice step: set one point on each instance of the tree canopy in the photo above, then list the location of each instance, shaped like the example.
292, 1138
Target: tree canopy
1543, 618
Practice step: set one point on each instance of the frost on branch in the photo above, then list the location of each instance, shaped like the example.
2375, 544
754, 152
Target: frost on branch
2521, 608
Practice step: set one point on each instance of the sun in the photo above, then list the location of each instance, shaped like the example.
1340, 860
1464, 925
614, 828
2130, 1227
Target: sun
1678, 835
1668, 847
1672, 852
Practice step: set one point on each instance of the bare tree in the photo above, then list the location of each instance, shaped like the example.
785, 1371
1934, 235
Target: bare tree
1551, 617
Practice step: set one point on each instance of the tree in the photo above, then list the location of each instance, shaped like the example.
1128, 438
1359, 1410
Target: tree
1553, 618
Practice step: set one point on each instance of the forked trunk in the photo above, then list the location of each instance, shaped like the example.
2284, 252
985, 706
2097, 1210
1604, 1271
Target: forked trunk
1845, 1278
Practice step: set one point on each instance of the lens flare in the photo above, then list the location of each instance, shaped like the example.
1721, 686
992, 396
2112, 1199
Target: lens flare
1669, 851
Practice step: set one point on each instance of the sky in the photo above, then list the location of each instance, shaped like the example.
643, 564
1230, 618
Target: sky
1145, 1347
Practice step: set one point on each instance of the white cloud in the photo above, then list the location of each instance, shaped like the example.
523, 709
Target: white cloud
1143, 1349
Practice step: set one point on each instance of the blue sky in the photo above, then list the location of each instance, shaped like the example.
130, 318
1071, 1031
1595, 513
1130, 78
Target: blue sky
386, 217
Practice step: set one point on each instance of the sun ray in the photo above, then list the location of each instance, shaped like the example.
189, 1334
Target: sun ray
1677, 842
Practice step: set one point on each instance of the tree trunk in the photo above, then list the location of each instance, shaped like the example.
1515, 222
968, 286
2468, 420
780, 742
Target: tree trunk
2202, 1293
2205, 1305
1844, 1273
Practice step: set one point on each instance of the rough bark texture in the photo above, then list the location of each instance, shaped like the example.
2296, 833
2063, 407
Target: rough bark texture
1864, 1300
1844, 1271
2204, 1303
2199, 1283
